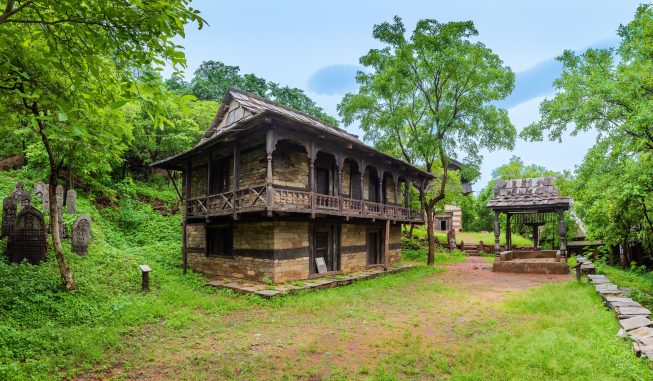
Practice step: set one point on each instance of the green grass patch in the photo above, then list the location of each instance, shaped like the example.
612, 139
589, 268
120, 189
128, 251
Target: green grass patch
476, 237
442, 257
554, 332
639, 283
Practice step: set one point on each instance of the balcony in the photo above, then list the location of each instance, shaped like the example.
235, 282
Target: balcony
263, 198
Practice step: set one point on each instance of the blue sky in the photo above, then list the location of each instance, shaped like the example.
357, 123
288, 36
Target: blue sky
316, 46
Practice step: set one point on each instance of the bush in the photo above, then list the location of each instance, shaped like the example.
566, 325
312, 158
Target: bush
410, 243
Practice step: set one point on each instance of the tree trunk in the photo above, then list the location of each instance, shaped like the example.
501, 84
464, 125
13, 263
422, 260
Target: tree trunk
430, 234
410, 233
66, 274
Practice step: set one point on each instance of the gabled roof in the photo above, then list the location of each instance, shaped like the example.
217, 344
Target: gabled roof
526, 195
241, 110
252, 105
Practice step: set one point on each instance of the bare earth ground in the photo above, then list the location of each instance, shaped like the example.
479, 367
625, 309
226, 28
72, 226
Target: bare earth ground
346, 337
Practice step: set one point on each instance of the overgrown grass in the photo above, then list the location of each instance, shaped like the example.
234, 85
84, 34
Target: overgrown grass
47, 333
441, 257
476, 237
639, 283
554, 332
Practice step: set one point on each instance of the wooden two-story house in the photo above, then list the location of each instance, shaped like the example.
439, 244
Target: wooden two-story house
272, 193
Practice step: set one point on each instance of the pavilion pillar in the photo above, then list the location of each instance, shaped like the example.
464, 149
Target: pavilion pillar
508, 232
187, 181
562, 231
497, 231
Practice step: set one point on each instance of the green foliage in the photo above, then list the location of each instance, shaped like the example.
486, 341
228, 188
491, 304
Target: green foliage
212, 79
608, 90
409, 243
430, 96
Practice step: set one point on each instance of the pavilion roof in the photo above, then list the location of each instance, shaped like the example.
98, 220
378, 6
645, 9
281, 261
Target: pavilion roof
526, 195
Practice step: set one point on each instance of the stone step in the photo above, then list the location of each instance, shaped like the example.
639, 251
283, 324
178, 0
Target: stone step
634, 323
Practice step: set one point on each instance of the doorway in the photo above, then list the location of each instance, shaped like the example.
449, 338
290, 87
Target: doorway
375, 236
324, 238
443, 225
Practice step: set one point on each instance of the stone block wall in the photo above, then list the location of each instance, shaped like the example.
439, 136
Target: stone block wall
196, 238
198, 181
291, 256
253, 165
290, 166
394, 255
346, 180
390, 190
353, 252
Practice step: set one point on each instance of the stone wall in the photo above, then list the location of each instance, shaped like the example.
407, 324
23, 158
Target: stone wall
390, 190
394, 255
196, 238
253, 165
346, 180
291, 256
353, 247
290, 166
198, 180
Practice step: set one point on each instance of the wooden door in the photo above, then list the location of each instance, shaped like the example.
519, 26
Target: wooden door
374, 245
322, 180
323, 245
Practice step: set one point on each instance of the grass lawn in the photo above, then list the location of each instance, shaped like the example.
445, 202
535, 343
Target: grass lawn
476, 237
640, 284
420, 324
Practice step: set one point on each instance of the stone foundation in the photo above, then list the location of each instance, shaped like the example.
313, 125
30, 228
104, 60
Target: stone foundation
279, 250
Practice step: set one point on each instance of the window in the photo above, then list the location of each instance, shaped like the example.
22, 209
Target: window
220, 176
219, 240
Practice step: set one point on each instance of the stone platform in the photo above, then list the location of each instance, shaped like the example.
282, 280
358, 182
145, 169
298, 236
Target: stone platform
269, 290
530, 262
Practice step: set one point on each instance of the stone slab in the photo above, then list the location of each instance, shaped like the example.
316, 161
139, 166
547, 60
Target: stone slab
609, 292
633, 311
624, 304
640, 333
600, 281
597, 277
634, 323
616, 299
606, 286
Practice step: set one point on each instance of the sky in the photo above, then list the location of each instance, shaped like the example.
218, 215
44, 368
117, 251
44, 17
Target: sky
315, 46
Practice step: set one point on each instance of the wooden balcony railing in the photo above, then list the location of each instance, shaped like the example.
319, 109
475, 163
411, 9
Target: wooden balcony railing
255, 198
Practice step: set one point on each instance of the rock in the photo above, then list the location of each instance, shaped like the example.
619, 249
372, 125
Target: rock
635, 322
621, 333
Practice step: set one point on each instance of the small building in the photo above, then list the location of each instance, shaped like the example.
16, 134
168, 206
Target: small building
532, 202
271, 193
452, 216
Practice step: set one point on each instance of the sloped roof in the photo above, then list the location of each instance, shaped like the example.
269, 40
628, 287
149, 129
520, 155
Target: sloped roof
527, 194
255, 105
240, 110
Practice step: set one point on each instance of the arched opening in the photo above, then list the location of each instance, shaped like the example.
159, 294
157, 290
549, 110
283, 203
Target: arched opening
372, 185
325, 174
351, 180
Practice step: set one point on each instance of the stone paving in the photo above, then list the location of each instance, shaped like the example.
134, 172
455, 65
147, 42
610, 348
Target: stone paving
272, 290
633, 318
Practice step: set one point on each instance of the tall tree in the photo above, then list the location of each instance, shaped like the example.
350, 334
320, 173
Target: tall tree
609, 91
431, 96
61, 60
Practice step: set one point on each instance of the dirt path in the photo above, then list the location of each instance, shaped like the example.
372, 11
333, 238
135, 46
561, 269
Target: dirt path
327, 336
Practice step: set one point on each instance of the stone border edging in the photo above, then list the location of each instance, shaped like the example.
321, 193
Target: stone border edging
633, 318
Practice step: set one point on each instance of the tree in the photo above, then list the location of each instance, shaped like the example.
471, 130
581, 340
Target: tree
609, 91
213, 78
430, 96
62, 61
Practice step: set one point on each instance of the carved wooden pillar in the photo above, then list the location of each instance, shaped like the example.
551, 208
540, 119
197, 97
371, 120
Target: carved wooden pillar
396, 189
209, 179
362, 180
562, 231
236, 167
311, 175
406, 193
269, 149
497, 232
508, 232
236, 178
380, 186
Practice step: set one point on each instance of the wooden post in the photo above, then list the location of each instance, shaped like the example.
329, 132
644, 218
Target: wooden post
187, 178
209, 166
269, 149
311, 175
145, 281
508, 232
236, 178
497, 232
380, 188
562, 230
386, 246
406, 193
